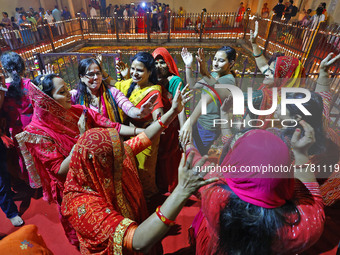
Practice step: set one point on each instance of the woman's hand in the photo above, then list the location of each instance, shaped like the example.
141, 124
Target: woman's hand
226, 106
187, 57
185, 134
99, 58
328, 61
49, 69
300, 145
254, 34
201, 63
181, 98
191, 178
147, 107
82, 125
123, 68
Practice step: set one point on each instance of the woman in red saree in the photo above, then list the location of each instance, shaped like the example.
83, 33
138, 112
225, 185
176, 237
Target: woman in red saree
103, 197
239, 15
169, 154
260, 212
47, 141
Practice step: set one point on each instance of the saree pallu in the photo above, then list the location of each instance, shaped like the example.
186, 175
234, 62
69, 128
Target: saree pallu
108, 105
103, 196
147, 159
169, 154
48, 140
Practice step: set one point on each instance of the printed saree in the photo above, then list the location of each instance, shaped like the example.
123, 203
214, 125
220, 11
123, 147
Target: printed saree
289, 72
49, 138
103, 195
108, 104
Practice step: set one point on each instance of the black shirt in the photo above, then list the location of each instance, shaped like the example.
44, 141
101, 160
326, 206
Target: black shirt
278, 9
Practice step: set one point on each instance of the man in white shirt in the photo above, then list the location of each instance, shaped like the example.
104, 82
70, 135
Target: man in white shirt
49, 17
50, 20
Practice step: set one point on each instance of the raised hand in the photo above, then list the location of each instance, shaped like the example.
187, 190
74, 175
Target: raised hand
181, 98
201, 63
227, 105
328, 61
123, 68
187, 57
191, 178
49, 69
147, 107
300, 145
254, 34
99, 58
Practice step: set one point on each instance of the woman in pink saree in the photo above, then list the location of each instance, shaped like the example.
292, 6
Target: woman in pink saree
260, 212
47, 141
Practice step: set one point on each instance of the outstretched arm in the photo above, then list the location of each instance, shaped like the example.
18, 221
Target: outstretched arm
185, 133
261, 61
188, 60
180, 99
190, 179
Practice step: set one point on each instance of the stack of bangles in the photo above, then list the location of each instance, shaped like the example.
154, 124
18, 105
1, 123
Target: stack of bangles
161, 123
259, 55
164, 219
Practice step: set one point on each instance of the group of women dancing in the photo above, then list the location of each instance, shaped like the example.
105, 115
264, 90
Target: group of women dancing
102, 151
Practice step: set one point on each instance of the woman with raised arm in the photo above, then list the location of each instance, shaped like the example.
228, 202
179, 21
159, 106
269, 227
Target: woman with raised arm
260, 212
47, 142
169, 154
290, 77
138, 89
93, 92
282, 71
103, 197
204, 131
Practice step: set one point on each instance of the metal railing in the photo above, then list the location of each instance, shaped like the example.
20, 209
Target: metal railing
309, 45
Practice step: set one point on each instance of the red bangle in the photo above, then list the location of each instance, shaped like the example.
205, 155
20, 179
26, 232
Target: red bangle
164, 219
161, 123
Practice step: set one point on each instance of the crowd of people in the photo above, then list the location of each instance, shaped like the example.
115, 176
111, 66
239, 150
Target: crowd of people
285, 12
103, 151
30, 27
